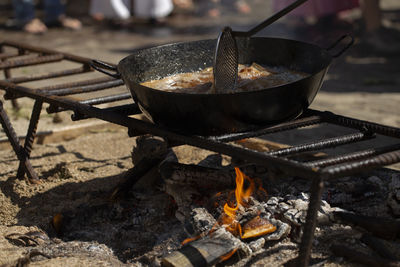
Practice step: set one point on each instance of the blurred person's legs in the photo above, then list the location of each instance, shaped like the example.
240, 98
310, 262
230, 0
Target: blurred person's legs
372, 15
54, 10
25, 16
24, 10
154, 10
110, 9
55, 15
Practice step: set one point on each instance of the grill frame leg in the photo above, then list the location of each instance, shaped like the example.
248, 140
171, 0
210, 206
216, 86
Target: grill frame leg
316, 189
30, 136
18, 149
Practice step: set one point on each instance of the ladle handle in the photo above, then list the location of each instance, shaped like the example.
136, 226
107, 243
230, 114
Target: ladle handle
270, 20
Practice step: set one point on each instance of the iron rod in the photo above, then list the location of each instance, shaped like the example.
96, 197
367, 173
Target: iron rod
7, 74
41, 50
316, 189
126, 110
31, 61
93, 101
79, 89
14, 141
30, 136
106, 99
47, 89
323, 144
8, 55
55, 74
345, 169
360, 124
285, 126
352, 156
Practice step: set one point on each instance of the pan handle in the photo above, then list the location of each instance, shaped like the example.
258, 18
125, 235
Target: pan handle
104, 67
347, 46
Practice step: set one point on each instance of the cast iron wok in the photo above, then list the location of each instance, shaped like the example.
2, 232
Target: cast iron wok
215, 114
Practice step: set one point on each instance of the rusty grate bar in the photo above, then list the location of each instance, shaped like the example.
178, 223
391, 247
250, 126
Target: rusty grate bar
49, 89
42, 50
91, 86
106, 99
285, 126
30, 61
345, 169
126, 110
352, 156
56, 74
93, 101
360, 124
63, 89
8, 55
323, 144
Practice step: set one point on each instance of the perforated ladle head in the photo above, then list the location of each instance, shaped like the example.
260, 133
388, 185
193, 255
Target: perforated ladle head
226, 53
225, 61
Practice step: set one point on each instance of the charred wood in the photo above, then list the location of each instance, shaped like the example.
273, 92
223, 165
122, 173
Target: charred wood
381, 227
379, 246
363, 258
148, 153
194, 175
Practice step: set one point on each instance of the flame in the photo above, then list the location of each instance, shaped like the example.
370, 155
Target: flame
228, 255
190, 239
255, 227
241, 195
228, 219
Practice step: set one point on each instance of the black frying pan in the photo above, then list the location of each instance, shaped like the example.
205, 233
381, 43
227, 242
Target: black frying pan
214, 114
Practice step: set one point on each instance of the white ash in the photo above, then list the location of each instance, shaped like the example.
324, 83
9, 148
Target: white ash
202, 221
294, 209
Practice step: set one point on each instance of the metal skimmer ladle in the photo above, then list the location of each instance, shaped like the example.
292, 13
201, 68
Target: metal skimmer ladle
226, 53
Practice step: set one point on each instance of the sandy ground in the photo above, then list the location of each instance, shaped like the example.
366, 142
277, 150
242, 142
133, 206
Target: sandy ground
360, 84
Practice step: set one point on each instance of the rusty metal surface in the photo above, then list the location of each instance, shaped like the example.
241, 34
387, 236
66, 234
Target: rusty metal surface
55, 74
30, 61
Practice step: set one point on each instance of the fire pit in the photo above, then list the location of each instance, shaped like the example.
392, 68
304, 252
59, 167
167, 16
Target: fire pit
289, 161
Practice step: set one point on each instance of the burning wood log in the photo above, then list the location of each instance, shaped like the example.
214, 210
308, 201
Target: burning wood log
210, 250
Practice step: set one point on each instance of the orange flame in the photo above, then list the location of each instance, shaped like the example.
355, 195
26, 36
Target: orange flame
228, 220
241, 196
228, 255
190, 239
